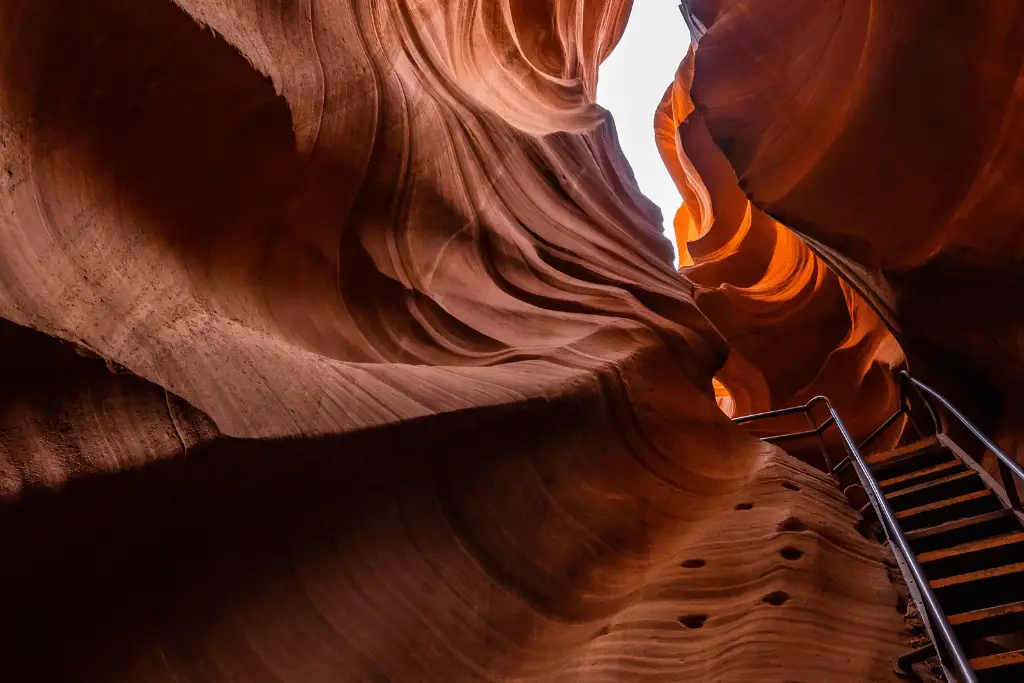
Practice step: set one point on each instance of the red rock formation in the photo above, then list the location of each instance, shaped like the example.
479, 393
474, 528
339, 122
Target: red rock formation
889, 132
795, 329
339, 344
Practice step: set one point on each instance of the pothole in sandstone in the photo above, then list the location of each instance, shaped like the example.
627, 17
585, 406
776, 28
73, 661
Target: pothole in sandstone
692, 621
790, 553
792, 524
776, 598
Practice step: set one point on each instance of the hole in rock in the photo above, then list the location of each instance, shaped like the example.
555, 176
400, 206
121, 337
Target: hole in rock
603, 632
790, 485
776, 598
792, 524
791, 553
745, 506
693, 620
694, 563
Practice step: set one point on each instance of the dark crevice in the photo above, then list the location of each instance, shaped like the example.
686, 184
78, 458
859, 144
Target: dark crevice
693, 621
790, 553
776, 598
792, 524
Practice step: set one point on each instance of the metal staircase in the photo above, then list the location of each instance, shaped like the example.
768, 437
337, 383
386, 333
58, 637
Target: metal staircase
956, 532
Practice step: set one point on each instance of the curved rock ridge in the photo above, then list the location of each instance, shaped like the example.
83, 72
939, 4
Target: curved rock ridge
796, 330
890, 133
340, 345
374, 225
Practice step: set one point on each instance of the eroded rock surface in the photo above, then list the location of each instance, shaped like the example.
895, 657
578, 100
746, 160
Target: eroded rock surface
889, 133
795, 328
339, 344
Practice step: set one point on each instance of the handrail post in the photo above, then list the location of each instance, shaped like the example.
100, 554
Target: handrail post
905, 397
817, 435
1009, 485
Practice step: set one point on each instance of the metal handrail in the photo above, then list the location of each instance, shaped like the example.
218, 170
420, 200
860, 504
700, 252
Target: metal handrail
905, 380
998, 452
1007, 465
772, 413
950, 647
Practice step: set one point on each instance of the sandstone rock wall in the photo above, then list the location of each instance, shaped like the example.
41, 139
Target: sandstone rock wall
339, 344
795, 328
889, 133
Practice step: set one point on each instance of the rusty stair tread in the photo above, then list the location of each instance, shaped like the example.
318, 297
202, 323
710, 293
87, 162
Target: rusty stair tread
948, 465
977, 615
972, 546
976, 495
970, 577
996, 661
930, 484
918, 446
918, 534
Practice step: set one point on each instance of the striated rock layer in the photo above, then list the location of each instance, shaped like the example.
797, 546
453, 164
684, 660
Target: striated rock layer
339, 344
795, 328
889, 134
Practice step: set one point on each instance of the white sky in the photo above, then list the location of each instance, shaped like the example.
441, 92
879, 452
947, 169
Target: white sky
630, 84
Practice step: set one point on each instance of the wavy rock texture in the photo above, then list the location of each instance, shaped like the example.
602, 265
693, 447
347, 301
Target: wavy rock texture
889, 132
339, 344
795, 328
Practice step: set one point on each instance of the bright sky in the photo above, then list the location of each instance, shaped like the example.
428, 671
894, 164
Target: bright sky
631, 83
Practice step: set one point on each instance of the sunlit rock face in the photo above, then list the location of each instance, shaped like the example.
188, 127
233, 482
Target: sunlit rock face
339, 345
796, 330
890, 132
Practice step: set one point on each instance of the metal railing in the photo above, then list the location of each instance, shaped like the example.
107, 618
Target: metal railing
906, 384
949, 650
1008, 467
816, 430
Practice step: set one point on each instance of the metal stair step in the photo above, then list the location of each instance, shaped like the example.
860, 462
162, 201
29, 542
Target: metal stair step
958, 531
911, 458
1005, 667
989, 621
920, 476
981, 574
980, 589
932, 491
932, 514
974, 555
971, 546
910, 448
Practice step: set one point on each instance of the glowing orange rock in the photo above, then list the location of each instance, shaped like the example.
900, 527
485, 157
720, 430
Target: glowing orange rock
892, 134
795, 328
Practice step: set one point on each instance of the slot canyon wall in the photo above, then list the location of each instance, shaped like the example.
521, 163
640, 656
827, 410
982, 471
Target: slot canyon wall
888, 134
795, 329
339, 344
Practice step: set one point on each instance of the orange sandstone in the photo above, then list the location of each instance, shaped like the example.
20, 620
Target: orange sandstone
339, 344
